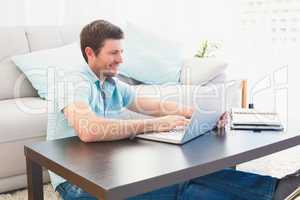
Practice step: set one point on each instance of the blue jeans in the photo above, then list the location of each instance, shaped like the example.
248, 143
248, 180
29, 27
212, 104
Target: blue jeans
227, 184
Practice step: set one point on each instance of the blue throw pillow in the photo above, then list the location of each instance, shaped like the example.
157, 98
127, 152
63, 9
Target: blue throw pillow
149, 58
44, 67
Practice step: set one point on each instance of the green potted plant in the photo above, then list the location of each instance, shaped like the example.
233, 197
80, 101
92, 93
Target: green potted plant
203, 66
207, 49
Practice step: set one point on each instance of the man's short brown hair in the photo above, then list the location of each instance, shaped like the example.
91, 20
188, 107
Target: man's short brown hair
95, 33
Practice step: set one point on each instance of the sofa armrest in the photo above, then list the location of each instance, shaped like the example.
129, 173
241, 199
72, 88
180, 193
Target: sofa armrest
218, 96
222, 78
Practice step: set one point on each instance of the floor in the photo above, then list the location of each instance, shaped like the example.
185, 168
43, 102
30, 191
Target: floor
277, 165
49, 194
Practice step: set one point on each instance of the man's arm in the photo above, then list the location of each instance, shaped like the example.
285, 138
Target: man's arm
91, 128
155, 107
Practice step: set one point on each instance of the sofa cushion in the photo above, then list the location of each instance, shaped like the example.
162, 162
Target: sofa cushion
221, 78
70, 34
43, 37
15, 164
199, 71
22, 118
13, 84
46, 37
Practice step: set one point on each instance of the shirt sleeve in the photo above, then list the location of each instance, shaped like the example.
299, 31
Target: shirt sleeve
75, 87
127, 92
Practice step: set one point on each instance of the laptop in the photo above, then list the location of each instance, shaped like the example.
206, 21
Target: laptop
201, 123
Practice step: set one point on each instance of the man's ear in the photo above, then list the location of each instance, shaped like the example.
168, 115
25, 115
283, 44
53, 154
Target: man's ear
89, 52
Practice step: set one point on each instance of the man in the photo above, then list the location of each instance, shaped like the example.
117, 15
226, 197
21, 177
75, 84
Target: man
95, 98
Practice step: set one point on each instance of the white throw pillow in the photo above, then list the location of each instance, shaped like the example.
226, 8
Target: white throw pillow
43, 67
199, 71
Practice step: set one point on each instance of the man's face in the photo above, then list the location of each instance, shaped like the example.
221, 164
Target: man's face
106, 62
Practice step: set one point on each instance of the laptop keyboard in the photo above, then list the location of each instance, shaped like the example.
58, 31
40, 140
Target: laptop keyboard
175, 134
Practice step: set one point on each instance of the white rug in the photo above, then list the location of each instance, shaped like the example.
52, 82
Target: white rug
49, 194
276, 165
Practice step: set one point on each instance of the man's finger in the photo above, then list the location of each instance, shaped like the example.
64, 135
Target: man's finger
180, 123
224, 115
222, 123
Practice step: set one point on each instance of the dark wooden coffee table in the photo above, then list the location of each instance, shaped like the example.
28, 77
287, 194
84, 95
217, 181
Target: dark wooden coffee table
120, 169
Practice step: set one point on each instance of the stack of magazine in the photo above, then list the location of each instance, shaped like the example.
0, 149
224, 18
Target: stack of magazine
251, 119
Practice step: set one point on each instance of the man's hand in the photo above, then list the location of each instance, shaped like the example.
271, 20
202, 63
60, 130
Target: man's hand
170, 122
223, 120
158, 108
186, 111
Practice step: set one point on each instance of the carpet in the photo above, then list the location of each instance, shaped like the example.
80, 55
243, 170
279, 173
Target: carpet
49, 194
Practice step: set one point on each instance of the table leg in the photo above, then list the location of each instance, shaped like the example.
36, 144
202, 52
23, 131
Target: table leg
34, 180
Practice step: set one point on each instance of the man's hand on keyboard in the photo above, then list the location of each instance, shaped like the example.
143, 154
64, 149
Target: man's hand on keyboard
222, 122
170, 122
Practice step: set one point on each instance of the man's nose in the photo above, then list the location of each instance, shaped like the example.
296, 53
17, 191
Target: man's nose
120, 58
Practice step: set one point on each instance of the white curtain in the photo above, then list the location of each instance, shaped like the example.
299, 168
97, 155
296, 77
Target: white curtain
267, 52
188, 22
260, 38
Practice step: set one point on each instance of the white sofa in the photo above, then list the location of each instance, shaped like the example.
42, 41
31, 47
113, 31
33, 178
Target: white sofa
19, 126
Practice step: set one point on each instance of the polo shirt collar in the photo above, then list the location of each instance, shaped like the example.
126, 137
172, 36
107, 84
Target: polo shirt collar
109, 83
93, 76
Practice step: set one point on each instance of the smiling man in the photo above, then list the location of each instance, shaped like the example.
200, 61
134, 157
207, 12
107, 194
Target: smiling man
93, 101
101, 47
